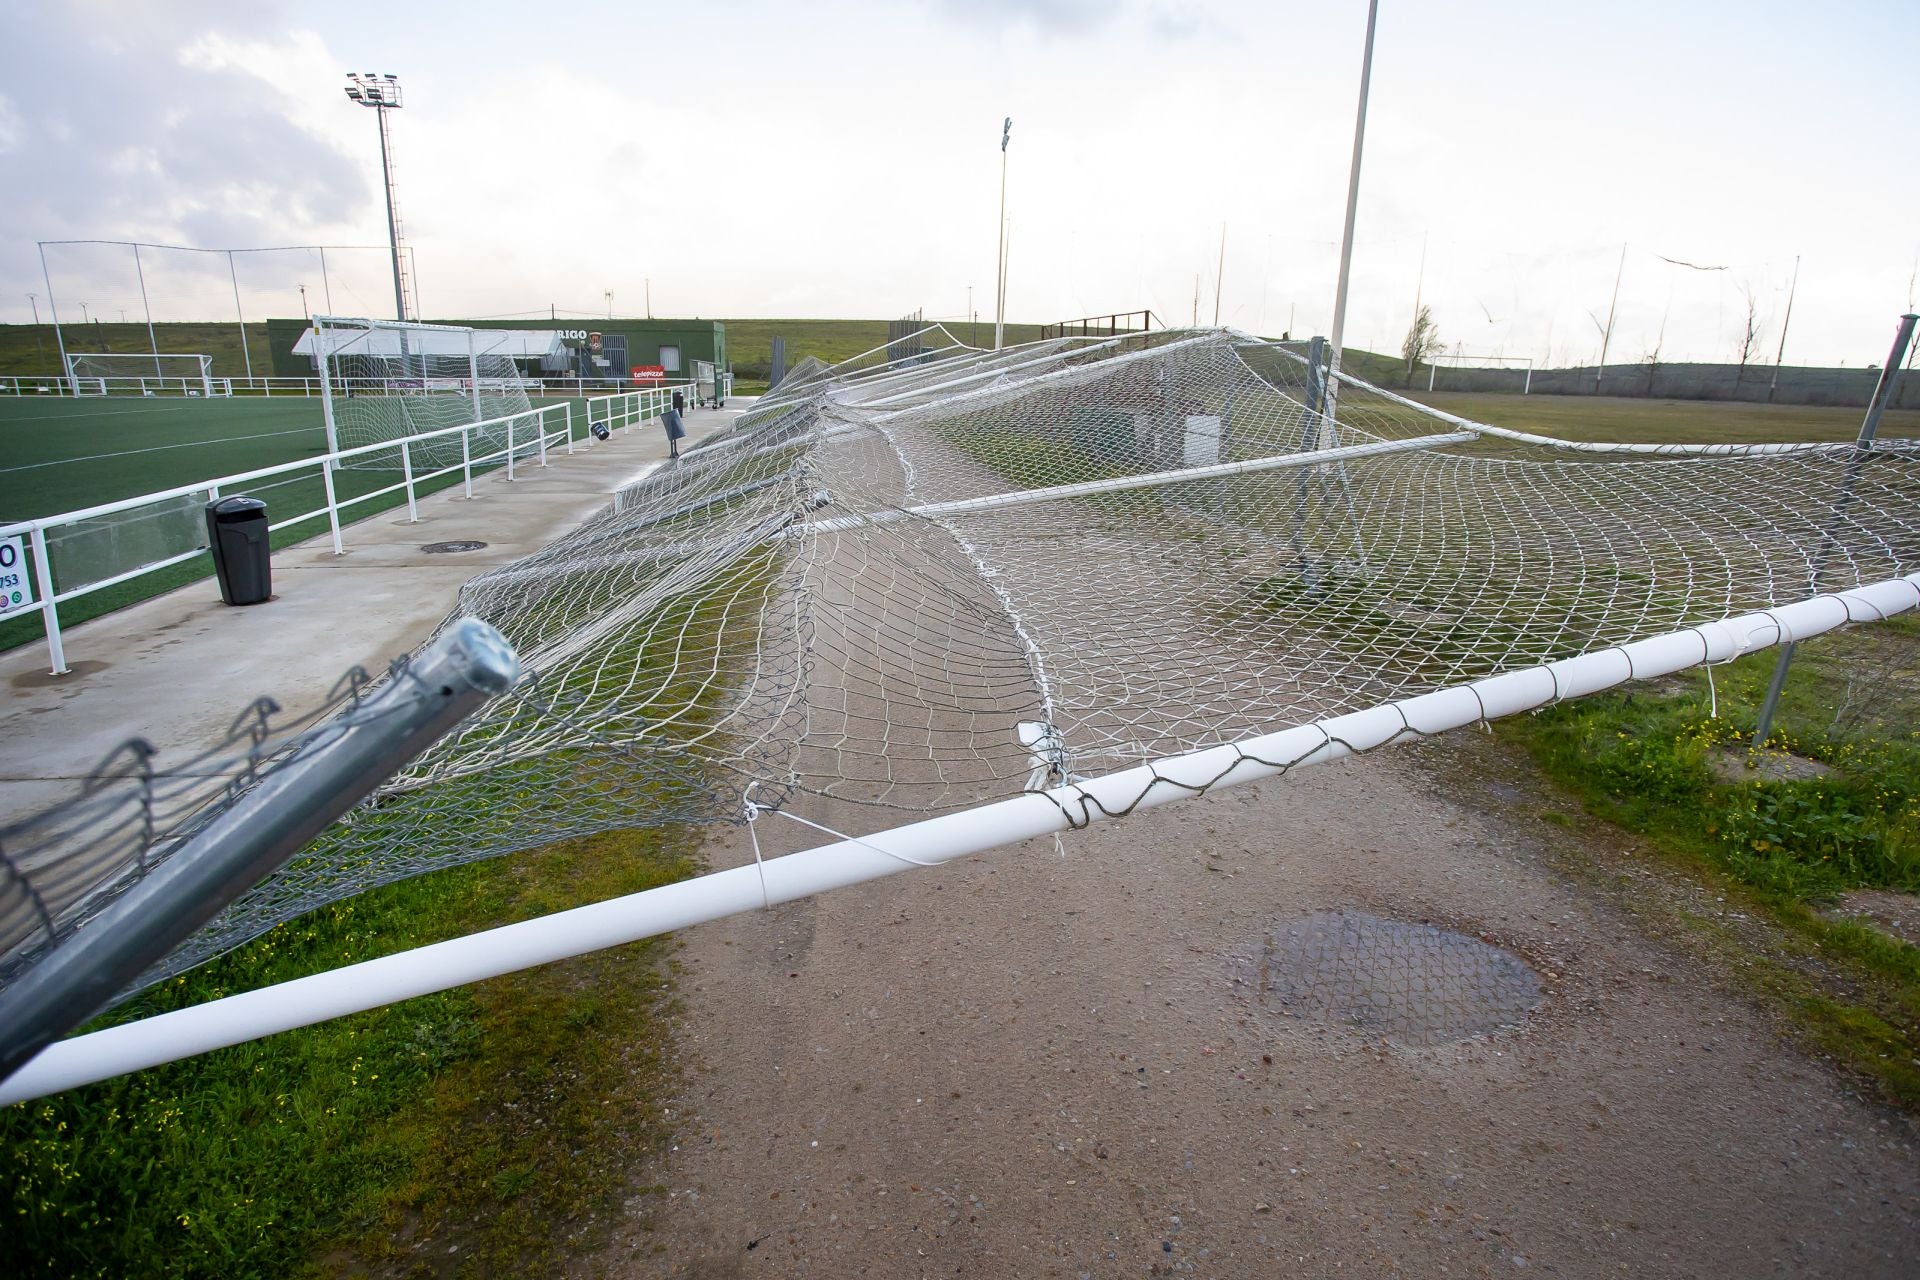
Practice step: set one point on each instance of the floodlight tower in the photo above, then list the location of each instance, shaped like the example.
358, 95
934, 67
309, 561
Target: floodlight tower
382, 93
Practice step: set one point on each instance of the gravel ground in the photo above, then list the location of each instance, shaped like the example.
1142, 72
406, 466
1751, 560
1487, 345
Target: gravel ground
1048, 1063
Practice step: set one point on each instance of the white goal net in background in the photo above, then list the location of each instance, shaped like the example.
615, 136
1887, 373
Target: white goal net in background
385, 381
165, 373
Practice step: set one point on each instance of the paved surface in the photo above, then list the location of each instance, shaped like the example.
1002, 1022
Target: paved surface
1046, 1062
177, 669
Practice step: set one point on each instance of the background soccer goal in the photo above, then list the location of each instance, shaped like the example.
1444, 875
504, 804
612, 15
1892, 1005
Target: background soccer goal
387, 381
1480, 373
167, 373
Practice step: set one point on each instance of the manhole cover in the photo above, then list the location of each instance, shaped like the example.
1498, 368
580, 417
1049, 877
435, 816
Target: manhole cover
1409, 984
447, 548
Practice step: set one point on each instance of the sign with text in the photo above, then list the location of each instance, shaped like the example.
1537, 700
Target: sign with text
16, 590
649, 373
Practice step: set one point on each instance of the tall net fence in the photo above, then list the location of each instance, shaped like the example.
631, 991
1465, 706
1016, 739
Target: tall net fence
916, 586
387, 381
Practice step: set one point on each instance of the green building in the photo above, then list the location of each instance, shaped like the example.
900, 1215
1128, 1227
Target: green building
596, 349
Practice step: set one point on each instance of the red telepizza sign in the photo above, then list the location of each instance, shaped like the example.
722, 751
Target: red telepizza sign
649, 373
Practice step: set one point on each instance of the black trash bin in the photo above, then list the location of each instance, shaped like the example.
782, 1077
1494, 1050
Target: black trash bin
237, 536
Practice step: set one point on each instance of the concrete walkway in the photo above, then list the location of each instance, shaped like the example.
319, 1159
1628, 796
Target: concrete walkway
178, 668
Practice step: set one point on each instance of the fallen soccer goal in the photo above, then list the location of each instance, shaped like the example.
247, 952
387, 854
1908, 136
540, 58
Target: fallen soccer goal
995, 594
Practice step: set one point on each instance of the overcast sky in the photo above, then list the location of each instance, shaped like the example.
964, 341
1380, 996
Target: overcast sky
828, 159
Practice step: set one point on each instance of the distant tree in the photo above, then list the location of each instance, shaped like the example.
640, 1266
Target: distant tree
1750, 333
1423, 339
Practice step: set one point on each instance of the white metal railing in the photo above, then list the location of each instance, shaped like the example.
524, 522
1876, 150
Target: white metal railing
579, 388
526, 435
620, 411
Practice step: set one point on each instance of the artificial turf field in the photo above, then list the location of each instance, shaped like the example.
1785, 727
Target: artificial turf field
64, 454
59, 455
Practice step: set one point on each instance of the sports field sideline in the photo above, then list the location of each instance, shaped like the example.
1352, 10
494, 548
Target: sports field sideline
62, 454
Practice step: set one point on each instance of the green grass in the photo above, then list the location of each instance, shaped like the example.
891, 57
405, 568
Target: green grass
496, 1117
27, 349
65, 455
498, 1120
1610, 418
1783, 847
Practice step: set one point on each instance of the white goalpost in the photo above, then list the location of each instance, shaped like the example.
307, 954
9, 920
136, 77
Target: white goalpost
386, 381
1461, 360
162, 373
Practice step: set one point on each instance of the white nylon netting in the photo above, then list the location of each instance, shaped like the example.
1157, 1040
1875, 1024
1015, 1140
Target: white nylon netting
388, 381
856, 593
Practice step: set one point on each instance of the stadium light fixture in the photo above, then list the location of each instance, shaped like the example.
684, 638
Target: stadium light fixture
382, 93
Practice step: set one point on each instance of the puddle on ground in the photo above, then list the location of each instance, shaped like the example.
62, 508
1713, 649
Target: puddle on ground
1412, 985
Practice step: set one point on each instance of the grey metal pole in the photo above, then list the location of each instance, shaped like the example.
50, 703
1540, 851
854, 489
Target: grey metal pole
393, 219
1000, 267
1883, 394
153, 343
53, 309
1781, 354
1606, 335
241, 316
39, 347
327, 775
1353, 202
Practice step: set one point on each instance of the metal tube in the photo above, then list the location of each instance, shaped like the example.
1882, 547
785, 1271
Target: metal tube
1781, 353
393, 219
239, 315
1883, 393
49, 605
1000, 264
1353, 192
406, 478
326, 775
249, 1016
53, 309
333, 507
153, 343
473, 375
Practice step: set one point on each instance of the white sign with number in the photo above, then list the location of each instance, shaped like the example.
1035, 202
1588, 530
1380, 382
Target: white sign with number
16, 590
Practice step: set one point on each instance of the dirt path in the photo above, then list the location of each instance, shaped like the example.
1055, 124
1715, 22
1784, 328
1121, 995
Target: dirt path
1032, 1065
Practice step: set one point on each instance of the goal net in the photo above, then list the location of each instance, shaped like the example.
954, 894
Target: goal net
166, 373
1096, 570
384, 381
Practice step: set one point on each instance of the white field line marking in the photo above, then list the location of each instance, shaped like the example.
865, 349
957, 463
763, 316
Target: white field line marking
158, 448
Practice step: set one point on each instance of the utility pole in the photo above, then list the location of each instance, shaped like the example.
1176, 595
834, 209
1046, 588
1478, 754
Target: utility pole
649, 297
609, 294
1000, 271
303, 303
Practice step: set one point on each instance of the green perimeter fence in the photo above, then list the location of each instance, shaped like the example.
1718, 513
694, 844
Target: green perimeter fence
72, 561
